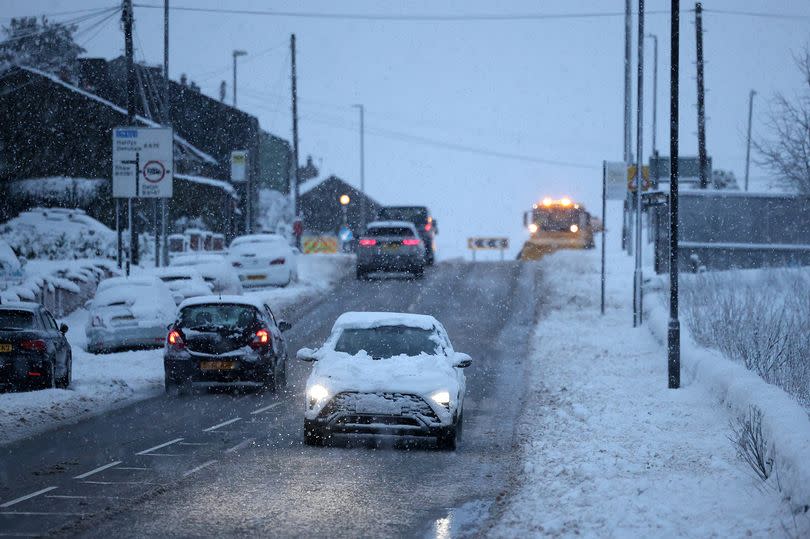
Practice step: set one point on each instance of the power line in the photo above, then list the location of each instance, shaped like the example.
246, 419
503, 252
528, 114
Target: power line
100, 13
58, 13
760, 14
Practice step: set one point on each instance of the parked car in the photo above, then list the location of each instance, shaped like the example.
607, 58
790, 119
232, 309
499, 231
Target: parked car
34, 352
385, 373
264, 260
215, 270
421, 218
390, 246
184, 282
226, 339
129, 312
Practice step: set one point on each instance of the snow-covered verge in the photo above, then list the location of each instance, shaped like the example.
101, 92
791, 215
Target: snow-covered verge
608, 450
106, 381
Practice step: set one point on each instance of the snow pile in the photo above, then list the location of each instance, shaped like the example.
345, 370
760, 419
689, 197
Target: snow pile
58, 234
9, 264
275, 212
42, 276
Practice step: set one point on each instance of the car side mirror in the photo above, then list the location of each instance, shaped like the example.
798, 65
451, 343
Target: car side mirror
461, 360
306, 354
283, 325
63, 328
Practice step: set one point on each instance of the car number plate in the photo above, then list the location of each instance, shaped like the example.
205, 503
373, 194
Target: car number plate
256, 277
5, 347
218, 365
391, 247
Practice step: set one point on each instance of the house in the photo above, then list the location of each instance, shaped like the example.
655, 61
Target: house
323, 213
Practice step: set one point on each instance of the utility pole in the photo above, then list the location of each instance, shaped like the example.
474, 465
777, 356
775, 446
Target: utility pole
674, 326
296, 187
127, 16
628, 32
236, 54
363, 202
167, 115
637, 275
751, 95
704, 181
655, 104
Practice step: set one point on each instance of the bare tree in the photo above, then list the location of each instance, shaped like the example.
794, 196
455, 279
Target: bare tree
787, 151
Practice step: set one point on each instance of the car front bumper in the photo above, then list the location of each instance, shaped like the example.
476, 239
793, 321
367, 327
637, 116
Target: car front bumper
181, 368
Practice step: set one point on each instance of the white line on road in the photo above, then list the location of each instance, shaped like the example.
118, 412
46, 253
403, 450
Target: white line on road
117, 483
194, 443
26, 497
266, 408
228, 422
76, 497
163, 455
99, 469
240, 445
145, 451
198, 468
38, 513
131, 468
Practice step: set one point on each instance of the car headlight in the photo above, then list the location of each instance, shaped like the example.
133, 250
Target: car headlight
441, 397
574, 228
317, 393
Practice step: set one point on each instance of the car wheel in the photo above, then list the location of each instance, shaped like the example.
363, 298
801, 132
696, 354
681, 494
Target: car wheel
361, 274
185, 387
64, 381
281, 376
447, 440
419, 272
313, 435
269, 381
49, 378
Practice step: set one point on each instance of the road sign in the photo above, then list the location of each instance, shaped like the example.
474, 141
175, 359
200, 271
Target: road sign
645, 178
238, 166
143, 162
615, 180
481, 244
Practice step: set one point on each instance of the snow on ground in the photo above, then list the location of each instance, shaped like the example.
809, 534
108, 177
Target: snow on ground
106, 381
609, 451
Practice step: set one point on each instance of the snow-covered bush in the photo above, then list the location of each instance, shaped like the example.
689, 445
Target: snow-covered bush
58, 234
759, 318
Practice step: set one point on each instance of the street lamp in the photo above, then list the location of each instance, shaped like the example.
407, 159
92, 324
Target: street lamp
748, 145
236, 54
344, 202
362, 168
655, 102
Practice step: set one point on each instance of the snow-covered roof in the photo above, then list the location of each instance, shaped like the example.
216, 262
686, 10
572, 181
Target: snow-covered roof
224, 299
30, 305
177, 271
406, 224
150, 123
365, 320
225, 186
256, 238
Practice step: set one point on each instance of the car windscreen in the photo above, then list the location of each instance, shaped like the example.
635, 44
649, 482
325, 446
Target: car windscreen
170, 278
398, 231
557, 220
218, 316
13, 319
414, 214
387, 341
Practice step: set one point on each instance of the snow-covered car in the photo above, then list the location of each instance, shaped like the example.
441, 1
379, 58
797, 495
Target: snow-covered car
218, 339
385, 373
390, 246
184, 282
215, 270
129, 312
264, 260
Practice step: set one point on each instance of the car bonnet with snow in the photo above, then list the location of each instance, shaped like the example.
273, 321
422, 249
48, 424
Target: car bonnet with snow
374, 353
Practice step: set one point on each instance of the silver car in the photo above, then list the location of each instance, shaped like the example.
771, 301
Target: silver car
390, 246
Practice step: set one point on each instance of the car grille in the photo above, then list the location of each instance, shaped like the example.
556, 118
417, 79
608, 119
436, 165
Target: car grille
356, 405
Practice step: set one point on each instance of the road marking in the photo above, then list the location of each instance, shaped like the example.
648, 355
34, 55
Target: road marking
266, 408
198, 468
163, 455
99, 469
240, 445
26, 497
145, 451
117, 483
131, 468
228, 422
76, 497
20, 534
38, 513
194, 443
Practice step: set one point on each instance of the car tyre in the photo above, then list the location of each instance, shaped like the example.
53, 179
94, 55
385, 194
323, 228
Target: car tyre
313, 435
449, 438
361, 274
419, 272
64, 381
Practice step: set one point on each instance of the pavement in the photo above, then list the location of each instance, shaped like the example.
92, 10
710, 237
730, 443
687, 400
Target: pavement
225, 463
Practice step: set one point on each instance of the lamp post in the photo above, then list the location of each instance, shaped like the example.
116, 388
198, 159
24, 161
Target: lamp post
344, 203
236, 54
751, 95
362, 168
655, 103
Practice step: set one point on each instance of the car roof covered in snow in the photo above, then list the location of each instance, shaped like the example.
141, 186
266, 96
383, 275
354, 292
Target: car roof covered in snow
194, 259
20, 305
406, 224
140, 280
256, 238
224, 299
177, 271
365, 320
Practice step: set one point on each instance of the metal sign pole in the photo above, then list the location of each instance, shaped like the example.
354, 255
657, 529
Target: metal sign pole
157, 232
604, 229
118, 233
129, 224
637, 318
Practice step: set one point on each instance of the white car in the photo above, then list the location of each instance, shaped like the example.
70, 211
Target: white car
129, 312
385, 373
215, 270
184, 282
264, 260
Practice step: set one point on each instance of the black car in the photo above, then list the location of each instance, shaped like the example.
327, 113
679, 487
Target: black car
425, 224
34, 352
218, 339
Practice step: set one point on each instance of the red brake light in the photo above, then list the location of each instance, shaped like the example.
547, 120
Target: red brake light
175, 340
410, 241
368, 242
277, 262
262, 338
34, 345
428, 227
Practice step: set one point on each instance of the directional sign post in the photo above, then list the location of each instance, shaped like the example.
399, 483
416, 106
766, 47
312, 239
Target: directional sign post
487, 244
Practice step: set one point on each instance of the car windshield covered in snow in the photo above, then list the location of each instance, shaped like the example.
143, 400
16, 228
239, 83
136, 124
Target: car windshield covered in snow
14, 319
387, 341
218, 315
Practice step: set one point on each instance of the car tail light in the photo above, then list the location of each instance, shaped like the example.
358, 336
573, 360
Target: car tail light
34, 373
34, 345
428, 227
410, 241
368, 242
236, 264
175, 340
261, 338
277, 262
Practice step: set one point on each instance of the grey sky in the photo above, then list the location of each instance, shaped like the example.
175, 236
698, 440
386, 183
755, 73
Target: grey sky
551, 89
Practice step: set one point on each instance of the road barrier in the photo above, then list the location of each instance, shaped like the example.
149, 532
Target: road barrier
319, 244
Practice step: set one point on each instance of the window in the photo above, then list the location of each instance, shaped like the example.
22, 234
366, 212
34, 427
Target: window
10, 319
49, 320
399, 231
216, 316
388, 341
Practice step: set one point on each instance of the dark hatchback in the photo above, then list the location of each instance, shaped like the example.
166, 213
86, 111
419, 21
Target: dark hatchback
225, 339
425, 224
34, 353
